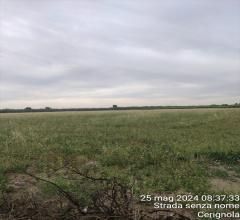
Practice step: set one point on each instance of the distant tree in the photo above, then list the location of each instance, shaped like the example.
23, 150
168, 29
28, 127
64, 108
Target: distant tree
47, 108
115, 106
28, 109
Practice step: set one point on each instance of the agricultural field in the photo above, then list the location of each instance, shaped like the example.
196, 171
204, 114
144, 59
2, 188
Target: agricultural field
155, 151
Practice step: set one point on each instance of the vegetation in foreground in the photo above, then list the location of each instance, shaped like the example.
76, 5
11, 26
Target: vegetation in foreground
156, 151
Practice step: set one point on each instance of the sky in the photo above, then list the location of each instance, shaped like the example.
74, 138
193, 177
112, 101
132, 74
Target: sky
92, 53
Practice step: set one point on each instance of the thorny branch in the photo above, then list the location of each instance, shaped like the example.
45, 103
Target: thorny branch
113, 200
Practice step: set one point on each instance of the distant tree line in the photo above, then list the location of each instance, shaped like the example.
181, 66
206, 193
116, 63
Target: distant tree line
115, 107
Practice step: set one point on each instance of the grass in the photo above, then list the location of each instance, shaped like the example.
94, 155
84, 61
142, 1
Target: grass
160, 150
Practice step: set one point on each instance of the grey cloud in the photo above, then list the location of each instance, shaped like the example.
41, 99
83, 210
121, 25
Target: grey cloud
127, 52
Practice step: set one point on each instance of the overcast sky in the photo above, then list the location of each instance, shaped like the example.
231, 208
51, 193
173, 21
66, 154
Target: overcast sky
95, 53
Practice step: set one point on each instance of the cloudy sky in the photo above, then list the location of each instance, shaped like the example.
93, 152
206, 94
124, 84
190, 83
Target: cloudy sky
95, 53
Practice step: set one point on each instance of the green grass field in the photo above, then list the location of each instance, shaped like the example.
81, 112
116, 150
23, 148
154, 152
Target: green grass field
160, 151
